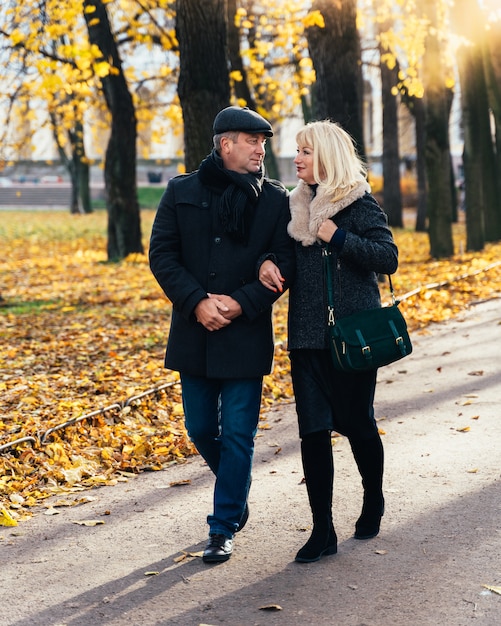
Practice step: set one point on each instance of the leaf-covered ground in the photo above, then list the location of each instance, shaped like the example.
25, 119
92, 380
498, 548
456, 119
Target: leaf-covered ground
82, 338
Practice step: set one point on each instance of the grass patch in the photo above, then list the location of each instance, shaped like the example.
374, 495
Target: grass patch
18, 307
148, 198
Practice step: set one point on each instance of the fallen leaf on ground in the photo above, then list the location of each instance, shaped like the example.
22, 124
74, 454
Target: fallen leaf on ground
180, 483
494, 588
270, 607
151, 573
51, 511
465, 429
92, 329
88, 522
6, 519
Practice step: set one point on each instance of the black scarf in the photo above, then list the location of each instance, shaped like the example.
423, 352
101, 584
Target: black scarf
239, 194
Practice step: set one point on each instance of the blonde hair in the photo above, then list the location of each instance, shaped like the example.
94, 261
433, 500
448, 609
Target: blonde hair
337, 167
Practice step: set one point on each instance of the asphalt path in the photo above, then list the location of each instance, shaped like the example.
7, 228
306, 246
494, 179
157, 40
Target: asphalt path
436, 560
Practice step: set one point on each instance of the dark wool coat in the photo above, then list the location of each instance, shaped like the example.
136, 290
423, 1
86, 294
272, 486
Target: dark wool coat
368, 250
191, 256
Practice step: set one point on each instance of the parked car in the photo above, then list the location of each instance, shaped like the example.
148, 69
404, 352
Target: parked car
49, 178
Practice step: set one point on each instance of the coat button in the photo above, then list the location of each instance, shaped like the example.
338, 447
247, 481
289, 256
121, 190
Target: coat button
205, 204
217, 240
212, 275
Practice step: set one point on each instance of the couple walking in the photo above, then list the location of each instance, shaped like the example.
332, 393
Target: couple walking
226, 243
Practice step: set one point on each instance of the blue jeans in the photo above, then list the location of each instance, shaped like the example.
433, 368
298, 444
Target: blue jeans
221, 417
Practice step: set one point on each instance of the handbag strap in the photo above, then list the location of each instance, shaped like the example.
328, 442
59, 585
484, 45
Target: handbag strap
327, 254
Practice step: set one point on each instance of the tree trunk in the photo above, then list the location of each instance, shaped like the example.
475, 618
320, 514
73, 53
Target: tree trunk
392, 194
124, 226
472, 85
74, 165
422, 203
84, 186
437, 152
336, 54
492, 66
416, 109
478, 155
241, 87
79, 171
203, 85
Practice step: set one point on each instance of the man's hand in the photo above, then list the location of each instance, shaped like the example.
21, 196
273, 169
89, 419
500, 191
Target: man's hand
227, 306
271, 277
211, 313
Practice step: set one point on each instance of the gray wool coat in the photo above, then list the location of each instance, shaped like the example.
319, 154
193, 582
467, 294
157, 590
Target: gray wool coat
368, 250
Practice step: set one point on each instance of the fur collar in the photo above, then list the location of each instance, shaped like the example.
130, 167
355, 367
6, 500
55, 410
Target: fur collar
308, 213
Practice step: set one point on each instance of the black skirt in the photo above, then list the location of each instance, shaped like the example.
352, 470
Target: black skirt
327, 399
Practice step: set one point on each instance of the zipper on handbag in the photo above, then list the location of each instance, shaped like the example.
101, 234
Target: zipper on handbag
330, 320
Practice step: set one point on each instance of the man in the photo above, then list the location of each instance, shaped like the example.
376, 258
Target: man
213, 230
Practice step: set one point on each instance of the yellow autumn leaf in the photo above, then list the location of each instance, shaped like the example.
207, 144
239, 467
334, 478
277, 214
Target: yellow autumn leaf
180, 483
6, 519
314, 18
178, 559
118, 309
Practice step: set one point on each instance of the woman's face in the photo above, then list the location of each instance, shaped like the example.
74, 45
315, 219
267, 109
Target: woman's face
304, 164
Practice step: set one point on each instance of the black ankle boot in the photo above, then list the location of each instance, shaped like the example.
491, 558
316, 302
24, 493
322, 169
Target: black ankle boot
367, 525
321, 543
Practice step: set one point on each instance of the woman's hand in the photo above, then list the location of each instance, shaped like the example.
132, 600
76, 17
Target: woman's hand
326, 230
271, 277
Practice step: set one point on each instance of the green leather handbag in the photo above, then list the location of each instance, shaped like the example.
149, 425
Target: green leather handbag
368, 339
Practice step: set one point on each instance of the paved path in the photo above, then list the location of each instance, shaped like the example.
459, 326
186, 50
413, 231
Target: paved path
439, 542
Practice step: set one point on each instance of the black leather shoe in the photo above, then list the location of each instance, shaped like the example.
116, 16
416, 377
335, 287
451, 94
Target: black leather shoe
244, 518
321, 543
219, 549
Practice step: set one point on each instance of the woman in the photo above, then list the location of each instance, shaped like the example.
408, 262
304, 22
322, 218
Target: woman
331, 207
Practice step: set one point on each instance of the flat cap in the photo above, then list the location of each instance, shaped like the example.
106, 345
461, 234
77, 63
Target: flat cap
243, 119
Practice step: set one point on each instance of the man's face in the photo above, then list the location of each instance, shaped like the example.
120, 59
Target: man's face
246, 154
